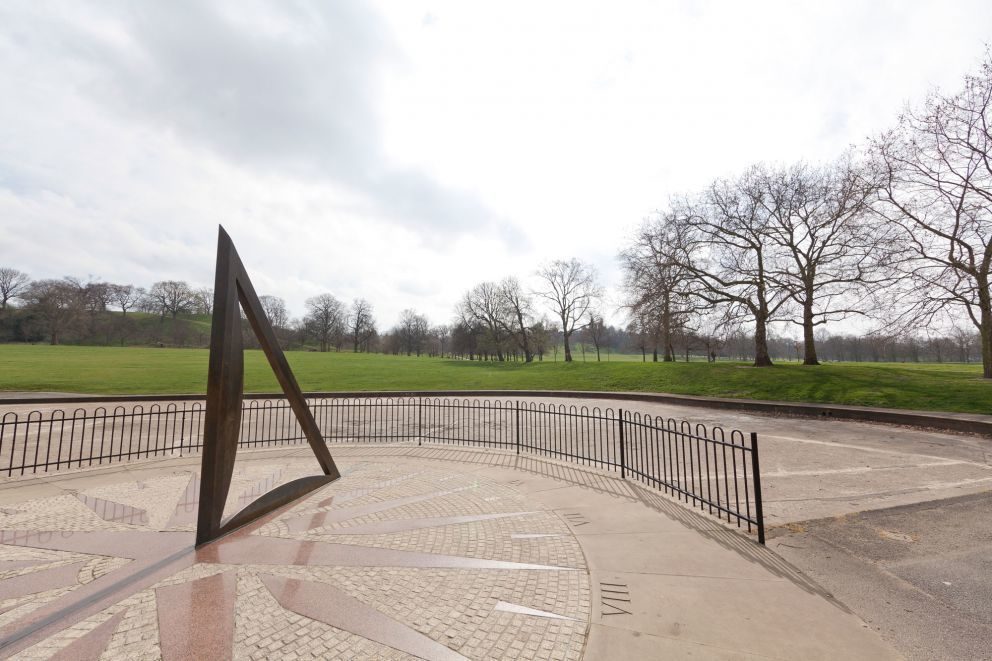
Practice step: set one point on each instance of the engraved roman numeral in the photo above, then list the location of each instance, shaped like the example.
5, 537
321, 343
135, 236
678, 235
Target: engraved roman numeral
615, 597
576, 519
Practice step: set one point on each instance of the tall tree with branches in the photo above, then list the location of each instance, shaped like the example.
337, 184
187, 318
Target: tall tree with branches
833, 256
656, 283
518, 315
726, 248
361, 324
325, 319
485, 305
936, 169
570, 288
13, 283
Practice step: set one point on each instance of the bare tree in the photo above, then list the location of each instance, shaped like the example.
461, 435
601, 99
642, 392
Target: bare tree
727, 249
56, 305
596, 331
275, 310
540, 337
171, 297
325, 319
518, 314
485, 304
361, 324
203, 300
13, 283
937, 188
832, 255
412, 331
571, 288
656, 284
125, 297
440, 338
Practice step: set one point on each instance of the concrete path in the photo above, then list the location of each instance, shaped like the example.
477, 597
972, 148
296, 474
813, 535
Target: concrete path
430, 552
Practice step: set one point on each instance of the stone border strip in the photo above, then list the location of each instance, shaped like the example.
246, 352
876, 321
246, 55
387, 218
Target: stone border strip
937, 420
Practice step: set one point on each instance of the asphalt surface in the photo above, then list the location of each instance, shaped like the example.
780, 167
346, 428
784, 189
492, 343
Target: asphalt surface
920, 575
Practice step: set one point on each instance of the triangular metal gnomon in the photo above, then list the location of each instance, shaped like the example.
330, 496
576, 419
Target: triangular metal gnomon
225, 382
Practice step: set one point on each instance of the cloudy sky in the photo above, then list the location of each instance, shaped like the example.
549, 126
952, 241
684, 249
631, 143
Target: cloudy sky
403, 151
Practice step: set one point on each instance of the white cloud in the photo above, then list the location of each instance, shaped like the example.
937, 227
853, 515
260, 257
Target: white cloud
406, 152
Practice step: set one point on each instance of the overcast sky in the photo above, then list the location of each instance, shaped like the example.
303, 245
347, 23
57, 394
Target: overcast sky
404, 151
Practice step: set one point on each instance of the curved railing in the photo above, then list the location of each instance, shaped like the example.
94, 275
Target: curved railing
707, 467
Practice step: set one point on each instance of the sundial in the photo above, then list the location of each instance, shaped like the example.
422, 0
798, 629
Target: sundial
397, 559
275, 553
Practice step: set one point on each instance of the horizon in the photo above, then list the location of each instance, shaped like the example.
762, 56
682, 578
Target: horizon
403, 153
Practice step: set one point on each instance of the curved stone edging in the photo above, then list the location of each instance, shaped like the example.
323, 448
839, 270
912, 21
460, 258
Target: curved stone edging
938, 420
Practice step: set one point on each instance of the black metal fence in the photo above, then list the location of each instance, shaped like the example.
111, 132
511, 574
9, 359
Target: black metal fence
707, 467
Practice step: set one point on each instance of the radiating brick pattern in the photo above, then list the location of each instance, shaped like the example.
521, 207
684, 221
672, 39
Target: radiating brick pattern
412, 506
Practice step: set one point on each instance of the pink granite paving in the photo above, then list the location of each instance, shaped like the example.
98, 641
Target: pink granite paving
87, 576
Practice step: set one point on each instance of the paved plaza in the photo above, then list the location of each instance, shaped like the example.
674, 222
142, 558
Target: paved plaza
430, 553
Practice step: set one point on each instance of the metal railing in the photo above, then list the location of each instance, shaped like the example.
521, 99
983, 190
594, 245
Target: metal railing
707, 467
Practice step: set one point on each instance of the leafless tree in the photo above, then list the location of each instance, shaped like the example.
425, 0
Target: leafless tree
832, 255
440, 339
937, 187
656, 284
171, 297
126, 297
540, 334
571, 288
596, 332
56, 304
518, 314
203, 301
727, 249
412, 331
325, 319
485, 304
13, 283
275, 310
361, 324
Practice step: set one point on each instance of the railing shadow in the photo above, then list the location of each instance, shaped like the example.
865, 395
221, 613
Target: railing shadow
604, 483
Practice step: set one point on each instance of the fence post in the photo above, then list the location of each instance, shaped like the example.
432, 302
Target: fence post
623, 450
518, 426
758, 514
420, 421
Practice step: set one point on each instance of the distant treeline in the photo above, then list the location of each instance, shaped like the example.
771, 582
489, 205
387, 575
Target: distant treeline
174, 314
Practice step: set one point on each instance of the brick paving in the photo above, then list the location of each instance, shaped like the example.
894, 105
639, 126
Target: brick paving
455, 607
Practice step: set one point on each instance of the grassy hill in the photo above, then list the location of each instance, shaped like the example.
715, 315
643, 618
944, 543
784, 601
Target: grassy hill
108, 370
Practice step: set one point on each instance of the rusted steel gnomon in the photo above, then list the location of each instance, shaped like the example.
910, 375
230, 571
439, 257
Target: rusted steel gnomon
225, 382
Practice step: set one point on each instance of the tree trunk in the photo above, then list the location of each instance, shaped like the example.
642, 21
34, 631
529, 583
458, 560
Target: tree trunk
809, 344
524, 343
985, 331
666, 331
761, 355
568, 349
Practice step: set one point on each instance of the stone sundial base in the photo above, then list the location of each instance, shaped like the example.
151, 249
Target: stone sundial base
416, 552
397, 559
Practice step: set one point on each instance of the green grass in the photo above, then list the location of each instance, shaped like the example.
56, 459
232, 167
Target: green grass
108, 370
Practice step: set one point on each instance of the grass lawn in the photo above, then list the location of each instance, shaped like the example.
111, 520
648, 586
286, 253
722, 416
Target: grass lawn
108, 370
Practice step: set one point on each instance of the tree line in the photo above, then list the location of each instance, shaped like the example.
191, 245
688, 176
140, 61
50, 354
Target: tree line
493, 321
897, 232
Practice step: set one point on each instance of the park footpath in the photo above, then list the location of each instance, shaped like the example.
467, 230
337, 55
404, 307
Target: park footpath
430, 552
